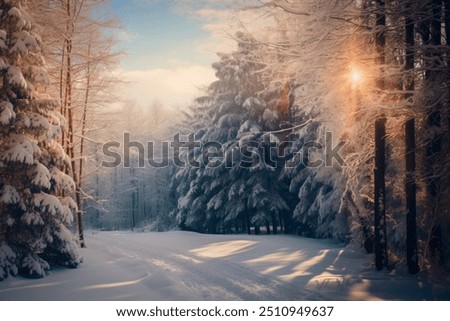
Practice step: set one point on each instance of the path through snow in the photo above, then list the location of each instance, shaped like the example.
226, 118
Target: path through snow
190, 266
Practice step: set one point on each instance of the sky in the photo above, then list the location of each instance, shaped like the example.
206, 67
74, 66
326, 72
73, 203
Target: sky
170, 46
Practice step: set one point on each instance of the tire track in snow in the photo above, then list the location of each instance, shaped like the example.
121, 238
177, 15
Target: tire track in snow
205, 278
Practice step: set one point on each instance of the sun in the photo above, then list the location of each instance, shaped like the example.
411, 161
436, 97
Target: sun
356, 76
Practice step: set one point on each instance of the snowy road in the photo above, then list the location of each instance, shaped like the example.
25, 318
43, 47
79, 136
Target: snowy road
189, 266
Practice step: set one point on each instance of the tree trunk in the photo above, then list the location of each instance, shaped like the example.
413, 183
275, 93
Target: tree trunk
267, 227
434, 146
280, 219
247, 223
274, 223
70, 144
380, 194
61, 88
412, 255
381, 259
85, 108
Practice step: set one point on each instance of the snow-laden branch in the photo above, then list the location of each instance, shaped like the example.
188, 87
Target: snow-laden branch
303, 125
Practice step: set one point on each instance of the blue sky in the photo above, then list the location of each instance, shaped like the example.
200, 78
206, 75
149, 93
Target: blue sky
159, 34
170, 46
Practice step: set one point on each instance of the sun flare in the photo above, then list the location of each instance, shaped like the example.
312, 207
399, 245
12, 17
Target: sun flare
356, 76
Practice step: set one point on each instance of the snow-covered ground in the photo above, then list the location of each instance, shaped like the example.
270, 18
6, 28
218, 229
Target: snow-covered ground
189, 266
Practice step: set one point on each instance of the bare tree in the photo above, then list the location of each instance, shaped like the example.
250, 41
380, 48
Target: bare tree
82, 59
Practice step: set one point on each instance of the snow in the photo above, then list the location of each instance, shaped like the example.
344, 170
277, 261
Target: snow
42, 176
15, 77
2, 43
7, 113
41, 76
7, 258
58, 153
69, 207
39, 121
32, 218
190, 266
14, 12
22, 20
64, 181
22, 150
51, 203
35, 264
9, 195
2, 34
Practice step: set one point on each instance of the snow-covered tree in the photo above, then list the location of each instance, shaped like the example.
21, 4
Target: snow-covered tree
35, 204
243, 191
79, 50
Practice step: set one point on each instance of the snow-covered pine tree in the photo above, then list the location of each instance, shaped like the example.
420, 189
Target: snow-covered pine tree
35, 206
239, 193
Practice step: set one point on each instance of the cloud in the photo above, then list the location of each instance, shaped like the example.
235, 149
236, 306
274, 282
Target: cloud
222, 23
173, 87
175, 76
124, 35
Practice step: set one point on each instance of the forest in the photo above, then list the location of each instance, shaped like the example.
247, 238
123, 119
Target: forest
329, 120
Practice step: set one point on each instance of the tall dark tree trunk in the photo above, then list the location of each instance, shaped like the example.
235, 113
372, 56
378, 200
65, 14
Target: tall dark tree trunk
380, 194
280, 219
267, 226
247, 223
412, 255
274, 223
446, 140
447, 36
381, 259
434, 145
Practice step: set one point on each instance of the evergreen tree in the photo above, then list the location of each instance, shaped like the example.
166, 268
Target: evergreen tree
35, 206
242, 190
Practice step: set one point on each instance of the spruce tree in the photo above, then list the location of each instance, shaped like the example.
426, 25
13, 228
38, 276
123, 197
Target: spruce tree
35, 206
